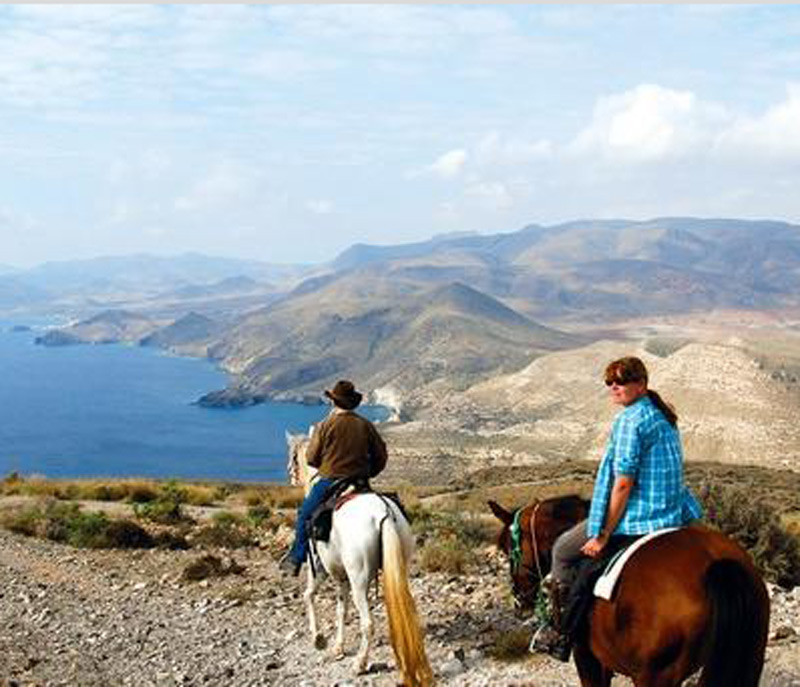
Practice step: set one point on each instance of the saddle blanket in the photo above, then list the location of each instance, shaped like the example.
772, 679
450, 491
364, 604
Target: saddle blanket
604, 587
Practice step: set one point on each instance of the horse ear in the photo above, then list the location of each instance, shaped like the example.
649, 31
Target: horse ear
501, 513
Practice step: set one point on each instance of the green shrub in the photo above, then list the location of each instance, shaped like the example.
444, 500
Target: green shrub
757, 527
228, 531
469, 530
259, 515
166, 508
448, 540
66, 523
226, 518
26, 521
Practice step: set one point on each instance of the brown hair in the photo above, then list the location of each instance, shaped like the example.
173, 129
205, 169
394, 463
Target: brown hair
632, 369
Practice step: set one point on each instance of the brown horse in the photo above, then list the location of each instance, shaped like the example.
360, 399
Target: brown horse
687, 600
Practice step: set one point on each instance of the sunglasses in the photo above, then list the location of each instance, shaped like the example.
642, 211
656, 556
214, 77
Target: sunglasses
612, 382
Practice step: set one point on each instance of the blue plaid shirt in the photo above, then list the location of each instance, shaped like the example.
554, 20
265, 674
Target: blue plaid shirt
646, 447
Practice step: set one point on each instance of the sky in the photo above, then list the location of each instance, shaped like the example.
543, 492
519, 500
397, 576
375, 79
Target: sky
287, 133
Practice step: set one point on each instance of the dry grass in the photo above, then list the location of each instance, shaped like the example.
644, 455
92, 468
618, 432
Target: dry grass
510, 645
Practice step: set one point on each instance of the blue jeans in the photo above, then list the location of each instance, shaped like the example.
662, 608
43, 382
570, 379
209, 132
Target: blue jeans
311, 501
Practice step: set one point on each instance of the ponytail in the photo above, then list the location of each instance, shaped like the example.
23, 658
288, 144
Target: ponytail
663, 406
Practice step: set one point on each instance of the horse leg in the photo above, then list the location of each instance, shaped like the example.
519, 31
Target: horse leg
308, 596
359, 589
592, 673
341, 618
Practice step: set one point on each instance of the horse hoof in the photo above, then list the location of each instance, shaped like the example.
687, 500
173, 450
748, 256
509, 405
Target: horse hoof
360, 667
337, 654
320, 642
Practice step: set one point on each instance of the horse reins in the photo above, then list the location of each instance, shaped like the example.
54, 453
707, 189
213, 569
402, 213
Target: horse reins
515, 557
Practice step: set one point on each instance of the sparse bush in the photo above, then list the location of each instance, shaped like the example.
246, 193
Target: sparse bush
199, 495
510, 645
104, 492
259, 515
26, 521
286, 497
166, 508
170, 540
757, 527
468, 529
228, 531
12, 483
448, 555
448, 540
141, 492
210, 566
66, 523
253, 497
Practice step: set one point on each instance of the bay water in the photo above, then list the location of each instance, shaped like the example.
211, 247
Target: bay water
125, 411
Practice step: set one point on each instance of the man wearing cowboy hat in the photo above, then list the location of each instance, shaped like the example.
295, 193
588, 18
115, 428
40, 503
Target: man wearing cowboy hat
344, 445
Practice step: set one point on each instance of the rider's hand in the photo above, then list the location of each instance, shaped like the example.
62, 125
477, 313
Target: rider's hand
594, 546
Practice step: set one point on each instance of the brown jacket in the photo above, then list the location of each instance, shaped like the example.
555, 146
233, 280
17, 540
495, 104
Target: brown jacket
346, 445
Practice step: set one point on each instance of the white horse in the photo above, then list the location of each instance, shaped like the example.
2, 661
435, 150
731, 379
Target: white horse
368, 532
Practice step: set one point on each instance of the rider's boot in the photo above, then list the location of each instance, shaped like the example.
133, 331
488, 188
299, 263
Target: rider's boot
550, 638
288, 565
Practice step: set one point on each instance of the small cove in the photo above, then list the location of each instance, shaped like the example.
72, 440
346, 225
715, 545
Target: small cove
125, 411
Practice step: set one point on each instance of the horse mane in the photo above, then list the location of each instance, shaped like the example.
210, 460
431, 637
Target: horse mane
571, 507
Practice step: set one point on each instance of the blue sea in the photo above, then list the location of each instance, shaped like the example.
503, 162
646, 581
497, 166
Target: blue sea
125, 411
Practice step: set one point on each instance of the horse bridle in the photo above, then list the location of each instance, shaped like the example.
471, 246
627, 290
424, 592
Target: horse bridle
535, 575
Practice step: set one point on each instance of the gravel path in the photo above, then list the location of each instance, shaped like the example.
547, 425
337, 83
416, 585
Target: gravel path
76, 617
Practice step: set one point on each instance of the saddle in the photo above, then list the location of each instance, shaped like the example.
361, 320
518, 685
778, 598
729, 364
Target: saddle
581, 594
319, 523
598, 578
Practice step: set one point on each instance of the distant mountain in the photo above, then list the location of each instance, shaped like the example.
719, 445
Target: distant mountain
226, 287
110, 326
187, 334
148, 272
447, 312
596, 269
452, 332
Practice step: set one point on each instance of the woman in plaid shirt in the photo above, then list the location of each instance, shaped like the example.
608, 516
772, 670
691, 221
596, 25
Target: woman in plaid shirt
639, 488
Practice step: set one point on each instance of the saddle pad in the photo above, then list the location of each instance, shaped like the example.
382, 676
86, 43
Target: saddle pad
604, 587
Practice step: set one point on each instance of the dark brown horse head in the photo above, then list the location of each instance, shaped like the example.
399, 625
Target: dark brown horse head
527, 538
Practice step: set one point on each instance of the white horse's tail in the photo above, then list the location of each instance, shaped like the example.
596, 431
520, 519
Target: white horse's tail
404, 628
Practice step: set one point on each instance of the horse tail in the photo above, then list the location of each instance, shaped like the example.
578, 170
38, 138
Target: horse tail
739, 624
404, 627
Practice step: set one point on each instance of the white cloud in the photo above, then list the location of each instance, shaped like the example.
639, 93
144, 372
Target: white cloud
648, 123
226, 185
450, 164
775, 134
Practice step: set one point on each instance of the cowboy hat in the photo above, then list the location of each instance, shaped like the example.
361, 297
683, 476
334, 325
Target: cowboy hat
344, 395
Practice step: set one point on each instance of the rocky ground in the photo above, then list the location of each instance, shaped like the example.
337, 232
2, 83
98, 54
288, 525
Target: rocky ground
87, 617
